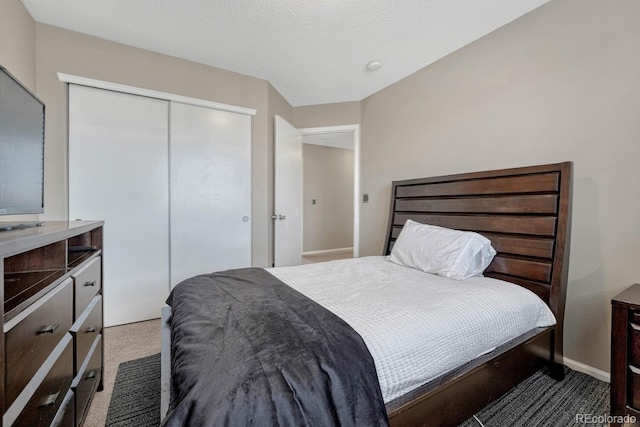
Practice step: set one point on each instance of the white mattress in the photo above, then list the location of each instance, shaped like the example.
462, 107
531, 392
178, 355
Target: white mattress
416, 325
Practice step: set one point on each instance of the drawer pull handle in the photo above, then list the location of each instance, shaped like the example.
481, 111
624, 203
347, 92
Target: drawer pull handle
92, 283
634, 370
91, 329
49, 400
90, 375
634, 326
49, 329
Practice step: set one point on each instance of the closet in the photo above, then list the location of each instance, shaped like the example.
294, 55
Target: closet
171, 180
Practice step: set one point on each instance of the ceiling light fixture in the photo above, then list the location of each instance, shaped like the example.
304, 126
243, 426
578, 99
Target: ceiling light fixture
374, 65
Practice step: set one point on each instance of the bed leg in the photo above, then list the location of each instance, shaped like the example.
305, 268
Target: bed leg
556, 371
556, 367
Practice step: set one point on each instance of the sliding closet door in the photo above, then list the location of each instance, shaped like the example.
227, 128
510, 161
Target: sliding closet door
210, 176
118, 171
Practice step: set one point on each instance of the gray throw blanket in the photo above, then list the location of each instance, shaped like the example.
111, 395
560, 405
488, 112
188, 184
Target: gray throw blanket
249, 350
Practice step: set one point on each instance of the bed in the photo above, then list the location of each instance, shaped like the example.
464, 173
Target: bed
525, 213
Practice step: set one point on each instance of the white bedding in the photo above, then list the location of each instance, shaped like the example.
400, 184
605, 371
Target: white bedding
417, 326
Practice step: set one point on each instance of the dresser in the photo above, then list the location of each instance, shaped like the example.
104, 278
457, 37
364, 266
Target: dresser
52, 316
625, 353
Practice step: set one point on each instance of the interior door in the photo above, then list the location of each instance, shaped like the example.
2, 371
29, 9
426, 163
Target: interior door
287, 218
210, 190
118, 157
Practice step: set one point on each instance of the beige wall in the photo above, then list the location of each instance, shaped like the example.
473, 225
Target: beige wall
327, 178
342, 113
18, 42
561, 83
18, 55
59, 50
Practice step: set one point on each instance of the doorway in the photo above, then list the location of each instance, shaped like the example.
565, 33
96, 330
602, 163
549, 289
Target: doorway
328, 164
288, 204
349, 136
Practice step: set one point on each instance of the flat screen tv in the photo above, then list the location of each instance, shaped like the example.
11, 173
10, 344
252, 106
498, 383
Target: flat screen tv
21, 148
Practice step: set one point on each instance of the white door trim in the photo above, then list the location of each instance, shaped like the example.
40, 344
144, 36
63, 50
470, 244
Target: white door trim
117, 87
356, 173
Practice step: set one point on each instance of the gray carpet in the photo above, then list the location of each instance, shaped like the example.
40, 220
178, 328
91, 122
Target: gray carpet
135, 401
543, 402
539, 401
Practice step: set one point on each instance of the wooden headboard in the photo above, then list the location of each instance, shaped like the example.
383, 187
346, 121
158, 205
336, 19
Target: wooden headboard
525, 212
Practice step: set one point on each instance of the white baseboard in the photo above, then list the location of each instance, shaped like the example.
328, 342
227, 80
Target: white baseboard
586, 369
327, 251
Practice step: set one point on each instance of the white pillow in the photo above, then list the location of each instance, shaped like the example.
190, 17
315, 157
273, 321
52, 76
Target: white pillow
448, 253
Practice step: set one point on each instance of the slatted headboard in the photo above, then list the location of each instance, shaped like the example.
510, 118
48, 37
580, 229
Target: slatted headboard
525, 212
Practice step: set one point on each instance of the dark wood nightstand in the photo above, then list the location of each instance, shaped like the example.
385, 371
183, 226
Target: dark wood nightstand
625, 353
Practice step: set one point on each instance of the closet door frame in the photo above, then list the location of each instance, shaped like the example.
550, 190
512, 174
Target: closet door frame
132, 90
169, 97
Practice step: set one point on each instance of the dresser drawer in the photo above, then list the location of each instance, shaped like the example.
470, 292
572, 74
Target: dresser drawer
50, 394
86, 382
634, 344
86, 329
87, 282
33, 335
66, 413
634, 388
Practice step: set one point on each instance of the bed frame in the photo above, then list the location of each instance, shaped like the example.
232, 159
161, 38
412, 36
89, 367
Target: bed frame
526, 213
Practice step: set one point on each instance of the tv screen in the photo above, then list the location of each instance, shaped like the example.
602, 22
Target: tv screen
21, 148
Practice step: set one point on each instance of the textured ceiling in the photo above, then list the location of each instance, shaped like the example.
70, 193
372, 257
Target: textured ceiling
311, 51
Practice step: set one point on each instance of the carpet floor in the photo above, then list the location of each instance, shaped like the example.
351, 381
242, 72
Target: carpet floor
539, 401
